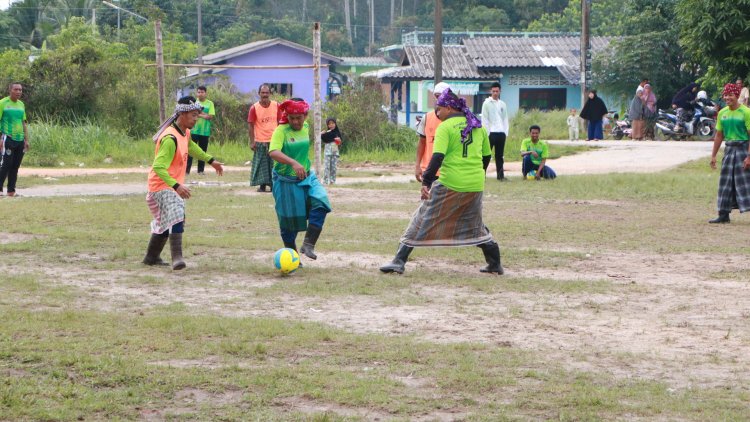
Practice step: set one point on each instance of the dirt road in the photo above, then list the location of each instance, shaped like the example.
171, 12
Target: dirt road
609, 157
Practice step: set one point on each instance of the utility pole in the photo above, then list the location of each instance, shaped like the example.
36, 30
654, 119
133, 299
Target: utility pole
585, 51
200, 38
372, 27
317, 101
393, 10
355, 19
160, 71
347, 18
438, 41
304, 10
93, 20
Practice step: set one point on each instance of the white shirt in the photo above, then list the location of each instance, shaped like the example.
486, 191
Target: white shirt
572, 121
495, 116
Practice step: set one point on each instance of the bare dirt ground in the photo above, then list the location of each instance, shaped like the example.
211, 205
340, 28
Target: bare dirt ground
683, 318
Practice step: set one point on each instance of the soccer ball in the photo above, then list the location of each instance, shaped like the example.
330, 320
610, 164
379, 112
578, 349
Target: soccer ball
531, 175
286, 260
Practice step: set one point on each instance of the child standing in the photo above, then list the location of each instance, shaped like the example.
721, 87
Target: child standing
573, 125
332, 139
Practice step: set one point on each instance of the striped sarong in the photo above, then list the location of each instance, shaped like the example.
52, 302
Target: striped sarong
262, 165
734, 181
167, 208
448, 218
295, 198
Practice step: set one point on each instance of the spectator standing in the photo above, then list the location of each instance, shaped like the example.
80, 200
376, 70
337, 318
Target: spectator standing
744, 93
14, 136
649, 111
594, 111
635, 113
426, 131
573, 125
495, 120
202, 129
262, 120
331, 138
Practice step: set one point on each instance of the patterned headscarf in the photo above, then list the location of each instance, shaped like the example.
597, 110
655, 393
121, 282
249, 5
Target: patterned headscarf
179, 108
448, 99
292, 107
731, 88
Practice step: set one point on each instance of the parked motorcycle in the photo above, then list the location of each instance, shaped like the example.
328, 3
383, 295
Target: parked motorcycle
702, 124
621, 128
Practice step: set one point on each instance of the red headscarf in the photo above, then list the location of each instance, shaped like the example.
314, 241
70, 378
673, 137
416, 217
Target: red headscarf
731, 88
292, 107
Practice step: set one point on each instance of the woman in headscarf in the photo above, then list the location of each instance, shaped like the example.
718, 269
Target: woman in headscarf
594, 111
301, 201
649, 111
732, 126
331, 138
166, 181
451, 214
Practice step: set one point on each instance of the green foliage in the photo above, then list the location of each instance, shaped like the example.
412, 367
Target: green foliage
716, 33
604, 16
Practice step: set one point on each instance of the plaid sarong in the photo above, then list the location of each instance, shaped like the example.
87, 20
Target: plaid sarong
167, 208
734, 181
295, 198
262, 165
448, 218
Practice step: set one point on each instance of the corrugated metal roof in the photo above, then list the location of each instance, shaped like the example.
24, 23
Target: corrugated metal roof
259, 45
520, 51
365, 61
420, 64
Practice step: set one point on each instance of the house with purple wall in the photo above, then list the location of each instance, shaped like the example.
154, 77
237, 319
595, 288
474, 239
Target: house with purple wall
273, 52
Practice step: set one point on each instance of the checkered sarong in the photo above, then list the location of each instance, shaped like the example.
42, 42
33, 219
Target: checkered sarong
448, 218
262, 165
734, 182
167, 208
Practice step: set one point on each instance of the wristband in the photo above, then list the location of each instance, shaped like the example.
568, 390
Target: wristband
175, 186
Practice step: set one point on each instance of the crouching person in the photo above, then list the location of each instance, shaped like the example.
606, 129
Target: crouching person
166, 190
451, 213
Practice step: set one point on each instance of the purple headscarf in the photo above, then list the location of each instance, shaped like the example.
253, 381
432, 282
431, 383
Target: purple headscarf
448, 99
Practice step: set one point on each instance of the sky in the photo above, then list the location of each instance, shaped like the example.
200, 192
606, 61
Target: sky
4, 4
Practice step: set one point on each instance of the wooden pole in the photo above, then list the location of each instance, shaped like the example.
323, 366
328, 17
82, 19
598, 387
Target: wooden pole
160, 70
438, 41
317, 101
348, 20
200, 38
585, 6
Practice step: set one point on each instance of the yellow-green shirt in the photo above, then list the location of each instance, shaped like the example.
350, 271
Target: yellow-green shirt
734, 123
12, 116
462, 169
294, 144
203, 126
540, 147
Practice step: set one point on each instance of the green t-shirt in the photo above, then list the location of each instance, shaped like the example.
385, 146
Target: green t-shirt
462, 169
734, 123
540, 147
12, 116
294, 144
203, 126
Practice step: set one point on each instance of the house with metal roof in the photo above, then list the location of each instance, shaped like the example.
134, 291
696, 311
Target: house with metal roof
536, 71
273, 52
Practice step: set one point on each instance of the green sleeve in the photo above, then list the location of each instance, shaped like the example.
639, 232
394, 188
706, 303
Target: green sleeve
195, 151
545, 151
442, 137
211, 109
164, 158
486, 150
747, 120
719, 126
277, 140
524, 146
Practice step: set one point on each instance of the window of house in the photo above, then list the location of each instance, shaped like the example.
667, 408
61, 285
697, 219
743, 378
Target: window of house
542, 99
281, 88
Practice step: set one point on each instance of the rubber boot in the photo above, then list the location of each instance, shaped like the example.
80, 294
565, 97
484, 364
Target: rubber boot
153, 252
311, 238
293, 245
491, 252
398, 265
721, 219
175, 244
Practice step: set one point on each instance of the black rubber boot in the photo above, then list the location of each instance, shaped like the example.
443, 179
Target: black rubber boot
293, 245
311, 238
491, 252
721, 219
175, 245
155, 246
398, 265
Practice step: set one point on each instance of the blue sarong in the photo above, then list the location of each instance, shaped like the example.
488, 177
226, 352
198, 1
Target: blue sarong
295, 198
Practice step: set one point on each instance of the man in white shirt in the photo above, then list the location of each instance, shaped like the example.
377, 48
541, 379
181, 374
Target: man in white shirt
495, 120
644, 82
744, 93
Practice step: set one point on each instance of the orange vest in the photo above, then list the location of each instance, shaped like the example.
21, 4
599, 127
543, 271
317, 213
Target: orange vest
179, 162
266, 121
430, 127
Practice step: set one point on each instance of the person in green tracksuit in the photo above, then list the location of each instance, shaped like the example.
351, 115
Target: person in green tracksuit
14, 136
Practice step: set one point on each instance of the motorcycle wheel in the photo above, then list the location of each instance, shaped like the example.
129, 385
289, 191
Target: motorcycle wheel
659, 135
617, 134
706, 131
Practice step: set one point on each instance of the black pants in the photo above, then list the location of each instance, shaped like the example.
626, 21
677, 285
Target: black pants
497, 141
12, 158
202, 142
